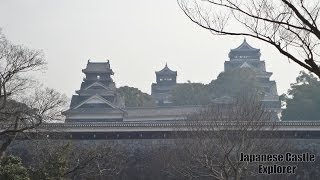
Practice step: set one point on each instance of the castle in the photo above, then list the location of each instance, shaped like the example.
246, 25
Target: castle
166, 79
245, 56
97, 100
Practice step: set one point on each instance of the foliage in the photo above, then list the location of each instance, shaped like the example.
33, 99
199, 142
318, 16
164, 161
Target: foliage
135, 98
235, 83
232, 83
11, 168
190, 94
54, 165
48, 159
303, 100
23, 104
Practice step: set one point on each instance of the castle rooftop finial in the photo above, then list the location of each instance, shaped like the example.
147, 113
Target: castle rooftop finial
166, 70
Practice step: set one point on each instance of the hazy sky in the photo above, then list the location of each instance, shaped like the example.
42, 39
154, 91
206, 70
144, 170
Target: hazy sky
138, 37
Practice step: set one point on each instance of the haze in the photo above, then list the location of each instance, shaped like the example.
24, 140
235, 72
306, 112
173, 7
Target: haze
138, 37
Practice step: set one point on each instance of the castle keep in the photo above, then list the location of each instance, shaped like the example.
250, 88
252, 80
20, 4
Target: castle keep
97, 99
245, 56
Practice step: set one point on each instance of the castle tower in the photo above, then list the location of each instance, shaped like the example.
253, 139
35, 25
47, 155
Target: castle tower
97, 100
246, 56
166, 79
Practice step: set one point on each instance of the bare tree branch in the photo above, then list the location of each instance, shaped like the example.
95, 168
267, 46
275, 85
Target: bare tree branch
23, 106
289, 26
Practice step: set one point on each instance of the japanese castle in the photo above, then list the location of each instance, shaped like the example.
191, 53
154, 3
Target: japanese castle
166, 80
245, 56
98, 101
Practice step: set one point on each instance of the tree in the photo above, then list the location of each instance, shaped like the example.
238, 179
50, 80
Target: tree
23, 104
48, 159
190, 94
217, 135
232, 83
303, 101
135, 98
12, 168
235, 82
289, 26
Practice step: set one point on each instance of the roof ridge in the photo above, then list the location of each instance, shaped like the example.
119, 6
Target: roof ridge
166, 69
245, 46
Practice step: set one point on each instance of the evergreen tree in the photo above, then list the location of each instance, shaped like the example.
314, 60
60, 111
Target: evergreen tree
235, 83
135, 98
11, 168
303, 100
190, 94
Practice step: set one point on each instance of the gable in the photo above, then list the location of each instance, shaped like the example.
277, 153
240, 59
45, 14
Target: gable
95, 101
245, 65
95, 105
96, 85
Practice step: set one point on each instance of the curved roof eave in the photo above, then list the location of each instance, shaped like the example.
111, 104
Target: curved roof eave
245, 47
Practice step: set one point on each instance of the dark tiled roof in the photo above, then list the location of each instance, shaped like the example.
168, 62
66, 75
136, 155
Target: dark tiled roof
94, 120
95, 110
99, 67
245, 47
161, 111
272, 104
75, 100
245, 51
166, 71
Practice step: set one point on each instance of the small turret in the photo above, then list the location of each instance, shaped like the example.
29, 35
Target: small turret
166, 75
166, 79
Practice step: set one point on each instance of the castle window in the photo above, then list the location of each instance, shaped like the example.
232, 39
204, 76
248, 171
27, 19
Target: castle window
98, 77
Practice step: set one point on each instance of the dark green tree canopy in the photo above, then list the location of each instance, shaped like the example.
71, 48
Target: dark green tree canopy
135, 98
12, 168
235, 83
238, 82
190, 94
303, 100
